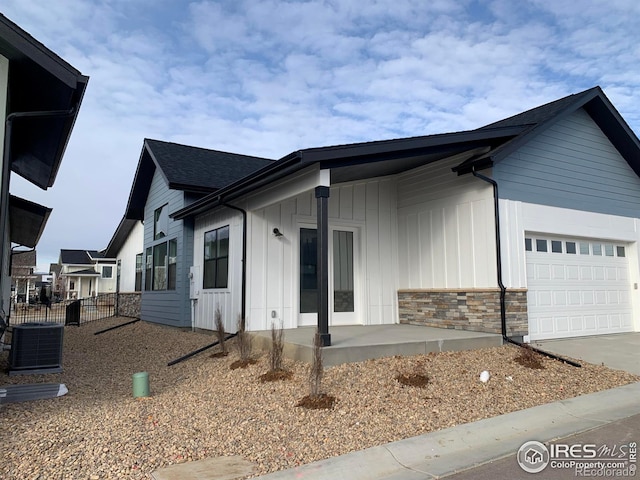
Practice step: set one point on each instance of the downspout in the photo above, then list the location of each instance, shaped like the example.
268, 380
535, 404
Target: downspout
243, 318
503, 289
6, 172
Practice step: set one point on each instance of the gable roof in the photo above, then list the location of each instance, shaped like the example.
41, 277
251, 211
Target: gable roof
79, 257
120, 237
186, 168
538, 119
364, 160
50, 91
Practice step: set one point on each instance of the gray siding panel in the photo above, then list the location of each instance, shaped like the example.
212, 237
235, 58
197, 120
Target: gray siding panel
170, 307
571, 165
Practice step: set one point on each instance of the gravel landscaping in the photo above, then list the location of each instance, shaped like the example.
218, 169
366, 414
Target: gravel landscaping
202, 408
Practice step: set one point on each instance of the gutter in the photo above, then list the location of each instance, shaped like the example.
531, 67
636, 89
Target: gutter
503, 289
243, 313
6, 173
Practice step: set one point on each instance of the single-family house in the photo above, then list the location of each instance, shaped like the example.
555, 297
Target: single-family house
526, 227
169, 177
86, 273
23, 275
40, 96
126, 246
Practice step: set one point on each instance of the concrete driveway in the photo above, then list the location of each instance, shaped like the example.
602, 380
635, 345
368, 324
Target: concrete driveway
620, 351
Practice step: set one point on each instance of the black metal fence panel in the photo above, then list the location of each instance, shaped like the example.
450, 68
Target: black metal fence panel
69, 312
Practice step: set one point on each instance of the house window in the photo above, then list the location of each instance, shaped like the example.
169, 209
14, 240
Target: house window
172, 267
527, 244
597, 249
139, 262
584, 248
107, 272
541, 245
149, 269
608, 250
620, 251
571, 247
161, 222
72, 285
556, 246
216, 258
160, 267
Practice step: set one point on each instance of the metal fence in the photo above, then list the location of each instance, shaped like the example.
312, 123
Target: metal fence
69, 312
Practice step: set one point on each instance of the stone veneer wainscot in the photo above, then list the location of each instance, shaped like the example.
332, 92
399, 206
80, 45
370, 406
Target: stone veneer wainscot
477, 310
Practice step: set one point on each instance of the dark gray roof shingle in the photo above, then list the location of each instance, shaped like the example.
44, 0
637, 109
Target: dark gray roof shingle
187, 168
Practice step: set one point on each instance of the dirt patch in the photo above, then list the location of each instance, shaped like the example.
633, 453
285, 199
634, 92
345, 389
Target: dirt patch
529, 358
242, 363
317, 402
276, 375
413, 379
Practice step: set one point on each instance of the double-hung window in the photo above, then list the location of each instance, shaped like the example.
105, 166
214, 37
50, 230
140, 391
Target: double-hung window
216, 258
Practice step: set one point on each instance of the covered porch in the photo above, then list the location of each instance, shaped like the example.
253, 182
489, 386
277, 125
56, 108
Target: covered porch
357, 343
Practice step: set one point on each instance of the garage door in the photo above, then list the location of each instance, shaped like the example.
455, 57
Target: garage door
576, 287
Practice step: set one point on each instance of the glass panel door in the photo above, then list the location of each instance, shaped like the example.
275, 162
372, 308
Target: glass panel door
308, 269
343, 294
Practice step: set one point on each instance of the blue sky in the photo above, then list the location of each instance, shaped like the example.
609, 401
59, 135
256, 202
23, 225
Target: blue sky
269, 77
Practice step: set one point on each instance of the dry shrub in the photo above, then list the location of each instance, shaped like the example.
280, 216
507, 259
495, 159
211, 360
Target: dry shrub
276, 357
316, 400
529, 358
276, 354
244, 345
219, 324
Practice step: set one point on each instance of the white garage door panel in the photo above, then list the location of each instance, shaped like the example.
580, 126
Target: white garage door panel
576, 294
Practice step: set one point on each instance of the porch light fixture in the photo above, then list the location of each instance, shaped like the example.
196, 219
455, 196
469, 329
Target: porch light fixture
276, 232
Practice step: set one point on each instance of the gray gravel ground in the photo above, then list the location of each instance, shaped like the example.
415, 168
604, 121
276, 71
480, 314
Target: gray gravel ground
201, 408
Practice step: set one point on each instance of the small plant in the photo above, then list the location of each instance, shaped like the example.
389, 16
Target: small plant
276, 356
316, 399
244, 345
529, 358
277, 347
219, 324
416, 378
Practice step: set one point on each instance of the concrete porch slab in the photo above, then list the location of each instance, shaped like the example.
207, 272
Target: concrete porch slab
357, 343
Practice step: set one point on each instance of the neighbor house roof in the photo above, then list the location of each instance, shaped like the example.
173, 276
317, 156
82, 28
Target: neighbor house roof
79, 257
45, 94
186, 168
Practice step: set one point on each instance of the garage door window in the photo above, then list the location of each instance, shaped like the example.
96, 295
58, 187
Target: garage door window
573, 248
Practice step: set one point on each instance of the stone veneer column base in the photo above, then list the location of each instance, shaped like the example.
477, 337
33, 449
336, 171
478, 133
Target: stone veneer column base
477, 310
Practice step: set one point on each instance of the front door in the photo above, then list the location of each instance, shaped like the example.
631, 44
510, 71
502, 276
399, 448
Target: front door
342, 277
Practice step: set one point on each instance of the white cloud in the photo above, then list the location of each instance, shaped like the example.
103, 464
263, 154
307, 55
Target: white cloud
268, 77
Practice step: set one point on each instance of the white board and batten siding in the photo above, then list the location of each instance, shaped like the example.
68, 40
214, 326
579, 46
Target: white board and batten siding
133, 245
368, 208
446, 229
570, 184
229, 299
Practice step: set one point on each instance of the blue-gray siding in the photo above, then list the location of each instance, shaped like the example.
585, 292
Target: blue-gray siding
169, 307
573, 165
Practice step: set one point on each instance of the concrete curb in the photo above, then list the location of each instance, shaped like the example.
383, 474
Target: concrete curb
445, 452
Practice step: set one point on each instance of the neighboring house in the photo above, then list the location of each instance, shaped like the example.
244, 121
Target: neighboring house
23, 275
40, 96
126, 246
168, 178
526, 227
86, 273
57, 282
